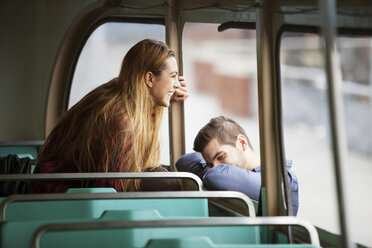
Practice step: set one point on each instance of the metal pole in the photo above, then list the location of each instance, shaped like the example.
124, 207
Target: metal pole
334, 79
268, 111
370, 78
176, 110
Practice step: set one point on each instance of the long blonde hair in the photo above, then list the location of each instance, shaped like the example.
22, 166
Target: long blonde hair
116, 126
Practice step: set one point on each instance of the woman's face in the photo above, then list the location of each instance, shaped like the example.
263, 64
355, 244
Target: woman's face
164, 85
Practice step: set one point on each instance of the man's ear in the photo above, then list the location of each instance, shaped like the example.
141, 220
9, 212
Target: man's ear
242, 141
149, 79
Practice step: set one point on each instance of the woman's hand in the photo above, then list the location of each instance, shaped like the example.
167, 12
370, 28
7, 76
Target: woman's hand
181, 93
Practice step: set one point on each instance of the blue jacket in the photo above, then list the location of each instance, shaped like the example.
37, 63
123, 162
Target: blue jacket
231, 177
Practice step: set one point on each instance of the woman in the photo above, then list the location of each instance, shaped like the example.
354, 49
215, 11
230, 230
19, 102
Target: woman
115, 127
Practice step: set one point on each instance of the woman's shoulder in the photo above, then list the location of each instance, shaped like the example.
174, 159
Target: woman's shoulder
54, 166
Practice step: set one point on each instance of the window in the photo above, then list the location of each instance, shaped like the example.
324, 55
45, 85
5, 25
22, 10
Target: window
100, 61
306, 127
356, 61
306, 124
221, 71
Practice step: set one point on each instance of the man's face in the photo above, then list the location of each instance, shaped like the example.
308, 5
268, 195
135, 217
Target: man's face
215, 153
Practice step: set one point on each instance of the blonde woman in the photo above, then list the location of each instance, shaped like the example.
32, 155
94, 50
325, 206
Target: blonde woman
115, 127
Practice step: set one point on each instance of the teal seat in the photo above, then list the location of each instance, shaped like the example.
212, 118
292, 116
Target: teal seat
23, 218
19, 233
139, 237
150, 218
193, 233
21, 151
94, 208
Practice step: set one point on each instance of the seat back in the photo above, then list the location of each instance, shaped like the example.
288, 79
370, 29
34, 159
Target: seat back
92, 205
23, 214
220, 231
23, 149
19, 233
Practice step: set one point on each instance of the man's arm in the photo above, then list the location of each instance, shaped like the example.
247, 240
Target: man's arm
231, 177
194, 163
222, 177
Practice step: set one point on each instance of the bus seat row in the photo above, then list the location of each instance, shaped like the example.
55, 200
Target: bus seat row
190, 180
17, 157
23, 149
77, 203
20, 151
21, 215
232, 231
99, 217
129, 219
93, 205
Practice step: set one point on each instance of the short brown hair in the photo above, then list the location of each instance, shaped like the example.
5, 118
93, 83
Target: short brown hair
224, 129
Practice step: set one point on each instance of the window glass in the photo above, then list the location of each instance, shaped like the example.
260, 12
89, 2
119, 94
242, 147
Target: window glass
306, 128
306, 124
356, 58
100, 61
221, 71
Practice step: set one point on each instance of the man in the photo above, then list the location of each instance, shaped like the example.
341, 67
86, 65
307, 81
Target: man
225, 160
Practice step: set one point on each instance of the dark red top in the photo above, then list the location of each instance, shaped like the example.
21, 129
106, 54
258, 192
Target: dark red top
61, 186
60, 166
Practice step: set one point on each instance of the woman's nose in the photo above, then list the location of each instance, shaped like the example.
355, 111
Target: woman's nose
177, 84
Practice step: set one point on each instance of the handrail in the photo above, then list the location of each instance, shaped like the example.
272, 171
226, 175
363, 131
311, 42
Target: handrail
128, 195
226, 221
101, 175
22, 143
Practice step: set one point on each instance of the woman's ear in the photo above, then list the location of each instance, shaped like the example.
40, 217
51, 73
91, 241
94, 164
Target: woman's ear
149, 79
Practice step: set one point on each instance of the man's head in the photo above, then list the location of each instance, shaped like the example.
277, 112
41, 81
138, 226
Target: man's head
222, 140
